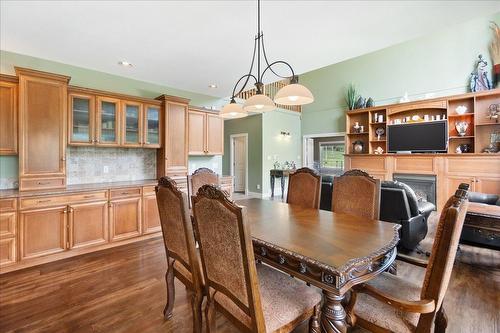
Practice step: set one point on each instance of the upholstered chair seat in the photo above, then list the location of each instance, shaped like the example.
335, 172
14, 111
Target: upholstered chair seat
384, 315
185, 273
283, 298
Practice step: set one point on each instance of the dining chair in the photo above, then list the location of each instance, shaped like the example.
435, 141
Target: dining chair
254, 297
356, 193
390, 303
304, 187
182, 257
200, 177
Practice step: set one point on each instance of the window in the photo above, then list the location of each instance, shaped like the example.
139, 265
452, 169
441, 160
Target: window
331, 155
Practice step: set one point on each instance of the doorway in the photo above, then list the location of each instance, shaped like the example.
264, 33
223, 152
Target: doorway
239, 162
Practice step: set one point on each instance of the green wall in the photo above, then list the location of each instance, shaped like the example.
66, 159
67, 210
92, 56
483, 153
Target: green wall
98, 80
278, 147
439, 63
253, 126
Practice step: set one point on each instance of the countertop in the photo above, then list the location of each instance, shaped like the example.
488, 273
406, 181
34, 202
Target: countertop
14, 193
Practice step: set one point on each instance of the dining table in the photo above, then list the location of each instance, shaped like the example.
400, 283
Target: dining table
328, 250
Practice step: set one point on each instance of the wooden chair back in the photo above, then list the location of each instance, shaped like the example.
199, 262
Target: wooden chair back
356, 193
177, 228
200, 177
444, 250
227, 254
304, 186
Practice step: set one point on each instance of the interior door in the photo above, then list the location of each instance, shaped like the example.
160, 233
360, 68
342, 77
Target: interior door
239, 163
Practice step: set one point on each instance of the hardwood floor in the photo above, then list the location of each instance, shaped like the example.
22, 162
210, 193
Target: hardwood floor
123, 290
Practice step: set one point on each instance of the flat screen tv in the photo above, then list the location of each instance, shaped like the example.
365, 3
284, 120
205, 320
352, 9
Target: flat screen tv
428, 137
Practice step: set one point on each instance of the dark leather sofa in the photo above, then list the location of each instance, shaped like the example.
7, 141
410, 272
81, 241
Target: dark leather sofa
399, 204
325, 202
475, 236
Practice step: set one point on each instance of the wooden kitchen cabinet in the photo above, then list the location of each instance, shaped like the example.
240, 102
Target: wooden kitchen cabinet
43, 231
88, 224
205, 133
172, 159
131, 123
8, 232
152, 128
125, 218
151, 218
107, 123
489, 185
8, 115
81, 119
42, 124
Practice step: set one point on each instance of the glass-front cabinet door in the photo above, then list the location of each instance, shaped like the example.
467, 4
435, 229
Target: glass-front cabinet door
131, 124
108, 129
152, 132
81, 119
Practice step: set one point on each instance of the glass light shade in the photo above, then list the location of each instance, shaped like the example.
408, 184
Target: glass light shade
294, 94
233, 111
259, 103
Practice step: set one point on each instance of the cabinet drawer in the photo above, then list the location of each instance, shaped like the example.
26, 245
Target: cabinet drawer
27, 184
473, 166
414, 165
47, 201
368, 163
8, 224
149, 190
124, 192
7, 205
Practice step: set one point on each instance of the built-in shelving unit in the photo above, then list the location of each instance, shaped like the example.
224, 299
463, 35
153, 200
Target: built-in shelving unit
478, 135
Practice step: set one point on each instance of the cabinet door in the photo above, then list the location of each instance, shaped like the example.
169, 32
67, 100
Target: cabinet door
8, 224
42, 127
196, 132
215, 135
7, 251
81, 119
488, 185
152, 128
176, 145
108, 128
452, 183
131, 124
8, 118
42, 232
125, 218
88, 224
151, 215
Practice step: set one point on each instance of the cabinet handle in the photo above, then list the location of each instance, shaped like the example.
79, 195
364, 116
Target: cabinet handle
65, 211
124, 193
88, 196
63, 158
43, 183
42, 201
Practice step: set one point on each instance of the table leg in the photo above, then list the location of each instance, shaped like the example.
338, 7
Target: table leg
282, 187
333, 315
272, 186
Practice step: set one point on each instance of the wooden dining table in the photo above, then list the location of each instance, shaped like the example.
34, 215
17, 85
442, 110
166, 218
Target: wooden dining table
331, 251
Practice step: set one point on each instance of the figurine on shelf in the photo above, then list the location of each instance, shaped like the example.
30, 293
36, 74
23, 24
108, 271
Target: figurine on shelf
379, 151
458, 150
479, 77
379, 131
357, 128
494, 111
493, 147
461, 109
461, 127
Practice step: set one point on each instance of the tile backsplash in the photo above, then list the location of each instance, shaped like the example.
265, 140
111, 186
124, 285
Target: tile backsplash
96, 165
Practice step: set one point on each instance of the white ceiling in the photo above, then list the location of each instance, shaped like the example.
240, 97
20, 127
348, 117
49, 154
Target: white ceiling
190, 44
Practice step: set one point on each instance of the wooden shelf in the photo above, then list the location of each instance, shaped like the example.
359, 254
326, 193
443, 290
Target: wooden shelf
487, 124
461, 137
378, 140
460, 115
382, 123
362, 133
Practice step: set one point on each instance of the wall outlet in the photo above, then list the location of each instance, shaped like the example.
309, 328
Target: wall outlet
106, 169
258, 186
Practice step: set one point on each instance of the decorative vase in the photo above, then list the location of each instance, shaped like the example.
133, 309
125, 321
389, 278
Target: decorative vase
461, 127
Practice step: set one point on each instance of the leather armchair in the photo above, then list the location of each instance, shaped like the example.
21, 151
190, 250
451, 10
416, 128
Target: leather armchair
325, 202
489, 199
399, 204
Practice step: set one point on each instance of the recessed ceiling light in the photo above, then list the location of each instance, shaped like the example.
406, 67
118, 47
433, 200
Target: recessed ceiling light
212, 85
125, 63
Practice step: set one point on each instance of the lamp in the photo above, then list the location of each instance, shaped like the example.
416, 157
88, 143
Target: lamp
292, 94
233, 111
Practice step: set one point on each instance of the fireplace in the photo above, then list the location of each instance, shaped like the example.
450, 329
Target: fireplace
423, 185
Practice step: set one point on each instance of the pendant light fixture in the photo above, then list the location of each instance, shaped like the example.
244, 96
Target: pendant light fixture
292, 94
